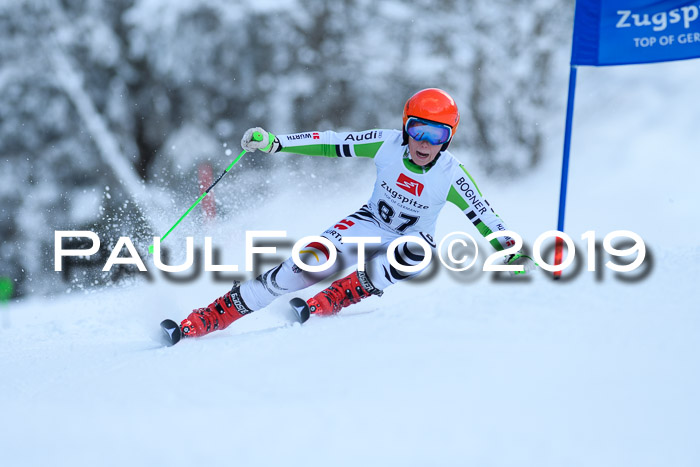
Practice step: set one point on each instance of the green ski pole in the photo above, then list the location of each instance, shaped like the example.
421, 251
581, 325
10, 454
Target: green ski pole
6, 290
257, 136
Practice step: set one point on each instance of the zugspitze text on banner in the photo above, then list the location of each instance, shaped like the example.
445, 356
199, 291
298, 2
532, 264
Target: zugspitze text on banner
618, 32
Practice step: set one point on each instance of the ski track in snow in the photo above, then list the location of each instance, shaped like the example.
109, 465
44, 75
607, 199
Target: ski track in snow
447, 371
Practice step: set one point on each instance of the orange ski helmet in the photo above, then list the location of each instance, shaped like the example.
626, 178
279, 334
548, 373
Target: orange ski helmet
432, 104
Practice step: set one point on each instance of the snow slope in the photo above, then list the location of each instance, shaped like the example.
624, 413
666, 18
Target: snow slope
449, 370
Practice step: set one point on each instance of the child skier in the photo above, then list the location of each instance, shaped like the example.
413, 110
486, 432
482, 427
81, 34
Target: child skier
416, 176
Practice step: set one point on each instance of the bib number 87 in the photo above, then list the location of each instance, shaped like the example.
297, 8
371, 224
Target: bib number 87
387, 213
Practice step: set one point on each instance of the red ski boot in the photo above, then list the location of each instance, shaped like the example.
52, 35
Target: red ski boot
218, 315
341, 293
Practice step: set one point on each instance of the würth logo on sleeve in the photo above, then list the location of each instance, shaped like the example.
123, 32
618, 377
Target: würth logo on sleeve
410, 185
316, 136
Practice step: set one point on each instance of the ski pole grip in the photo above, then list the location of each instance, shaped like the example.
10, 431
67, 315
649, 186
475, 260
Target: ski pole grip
257, 136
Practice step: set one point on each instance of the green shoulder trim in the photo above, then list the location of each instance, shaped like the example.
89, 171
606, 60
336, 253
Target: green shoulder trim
485, 232
496, 244
325, 150
458, 200
470, 178
367, 149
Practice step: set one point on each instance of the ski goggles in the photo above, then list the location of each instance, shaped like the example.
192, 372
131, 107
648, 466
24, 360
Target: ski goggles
425, 130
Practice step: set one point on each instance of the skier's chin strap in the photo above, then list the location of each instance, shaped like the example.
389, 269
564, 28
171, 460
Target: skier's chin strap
419, 168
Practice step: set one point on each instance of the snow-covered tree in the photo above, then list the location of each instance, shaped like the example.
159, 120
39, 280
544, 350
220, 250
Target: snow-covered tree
100, 94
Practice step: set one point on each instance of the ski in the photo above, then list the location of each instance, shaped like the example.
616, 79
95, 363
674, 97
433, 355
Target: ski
171, 332
300, 308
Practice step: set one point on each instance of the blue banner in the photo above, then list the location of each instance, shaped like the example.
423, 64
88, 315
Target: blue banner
621, 32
